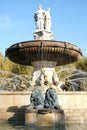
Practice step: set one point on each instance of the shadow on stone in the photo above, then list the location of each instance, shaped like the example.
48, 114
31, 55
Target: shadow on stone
18, 118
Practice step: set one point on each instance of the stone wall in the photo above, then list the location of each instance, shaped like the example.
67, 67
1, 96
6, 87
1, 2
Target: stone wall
73, 100
13, 104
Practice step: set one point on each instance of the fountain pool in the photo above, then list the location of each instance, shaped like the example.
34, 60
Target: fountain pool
76, 126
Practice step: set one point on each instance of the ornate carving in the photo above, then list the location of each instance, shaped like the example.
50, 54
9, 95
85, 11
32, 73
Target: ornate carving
38, 102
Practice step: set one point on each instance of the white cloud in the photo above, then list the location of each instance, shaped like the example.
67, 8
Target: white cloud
5, 22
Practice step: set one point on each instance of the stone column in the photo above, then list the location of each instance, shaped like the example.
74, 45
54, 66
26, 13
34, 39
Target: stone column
44, 75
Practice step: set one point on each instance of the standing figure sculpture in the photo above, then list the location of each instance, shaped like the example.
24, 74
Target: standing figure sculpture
39, 18
47, 20
43, 19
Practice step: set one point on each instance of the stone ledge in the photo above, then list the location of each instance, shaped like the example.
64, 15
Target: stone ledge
59, 93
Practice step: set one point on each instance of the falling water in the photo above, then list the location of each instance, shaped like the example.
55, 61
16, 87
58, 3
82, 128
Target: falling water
77, 79
42, 51
9, 81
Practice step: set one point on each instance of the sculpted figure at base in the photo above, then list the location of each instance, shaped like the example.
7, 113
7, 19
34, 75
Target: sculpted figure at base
49, 77
51, 99
37, 100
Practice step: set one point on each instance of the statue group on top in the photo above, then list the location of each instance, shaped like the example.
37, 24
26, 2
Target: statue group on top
43, 19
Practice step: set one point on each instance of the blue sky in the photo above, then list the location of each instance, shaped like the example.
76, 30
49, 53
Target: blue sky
69, 21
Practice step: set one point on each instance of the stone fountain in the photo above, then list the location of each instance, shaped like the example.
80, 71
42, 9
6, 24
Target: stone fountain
43, 53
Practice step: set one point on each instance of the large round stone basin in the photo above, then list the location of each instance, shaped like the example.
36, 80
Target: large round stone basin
39, 50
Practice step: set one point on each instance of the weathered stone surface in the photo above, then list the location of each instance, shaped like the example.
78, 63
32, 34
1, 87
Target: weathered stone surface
74, 104
43, 35
37, 50
44, 118
51, 99
36, 99
44, 75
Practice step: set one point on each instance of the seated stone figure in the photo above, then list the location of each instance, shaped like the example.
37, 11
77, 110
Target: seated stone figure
51, 99
36, 99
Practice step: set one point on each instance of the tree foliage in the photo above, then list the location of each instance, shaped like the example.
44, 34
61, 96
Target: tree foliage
7, 65
82, 64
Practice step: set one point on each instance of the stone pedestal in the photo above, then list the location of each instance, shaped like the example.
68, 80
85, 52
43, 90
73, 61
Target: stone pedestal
43, 35
44, 117
44, 75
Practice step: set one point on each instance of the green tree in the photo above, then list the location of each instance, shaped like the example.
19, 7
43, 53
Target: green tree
21, 69
7, 65
82, 64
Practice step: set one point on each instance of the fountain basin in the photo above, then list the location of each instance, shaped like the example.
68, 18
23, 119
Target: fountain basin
13, 104
39, 50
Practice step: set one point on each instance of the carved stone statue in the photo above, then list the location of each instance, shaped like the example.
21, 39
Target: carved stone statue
47, 20
39, 18
36, 99
43, 19
51, 99
50, 77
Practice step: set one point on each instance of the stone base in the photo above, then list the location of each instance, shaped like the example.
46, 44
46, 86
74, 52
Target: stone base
44, 75
44, 117
43, 35
13, 105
